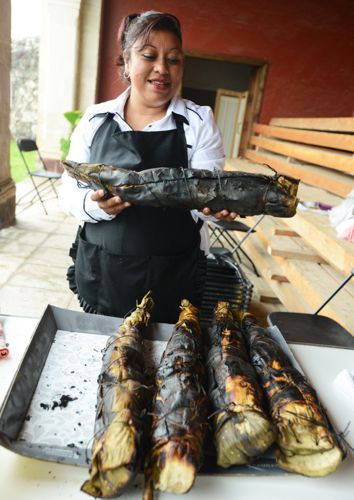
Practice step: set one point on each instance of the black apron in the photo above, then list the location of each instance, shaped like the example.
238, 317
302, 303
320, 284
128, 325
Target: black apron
143, 248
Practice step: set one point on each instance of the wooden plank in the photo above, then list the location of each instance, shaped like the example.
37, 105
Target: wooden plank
285, 291
337, 124
283, 246
314, 193
317, 232
284, 231
326, 139
261, 290
339, 279
280, 278
313, 282
334, 182
317, 156
245, 165
266, 299
316, 286
290, 248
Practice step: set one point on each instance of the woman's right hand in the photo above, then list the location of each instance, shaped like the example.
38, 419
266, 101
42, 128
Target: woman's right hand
112, 206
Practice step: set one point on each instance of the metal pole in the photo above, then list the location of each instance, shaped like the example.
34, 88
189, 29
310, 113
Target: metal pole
248, 233
350, 275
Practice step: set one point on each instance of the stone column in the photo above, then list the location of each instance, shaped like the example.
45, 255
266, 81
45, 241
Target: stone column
7, 186
58, 59
68, 63
91, 13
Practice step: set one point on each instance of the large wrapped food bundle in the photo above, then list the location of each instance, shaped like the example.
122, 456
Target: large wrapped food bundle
240, 192
242, 428
117, 449
306, 444
179, 410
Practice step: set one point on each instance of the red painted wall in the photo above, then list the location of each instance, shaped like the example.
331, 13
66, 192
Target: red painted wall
308, 44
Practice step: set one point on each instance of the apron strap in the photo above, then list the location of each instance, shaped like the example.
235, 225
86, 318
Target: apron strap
180, 119
107, 114
199, 223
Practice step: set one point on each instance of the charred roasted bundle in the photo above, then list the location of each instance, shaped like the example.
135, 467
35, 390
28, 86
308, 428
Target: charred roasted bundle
242, 428
179, 410
117, 449
241, 192
305, 441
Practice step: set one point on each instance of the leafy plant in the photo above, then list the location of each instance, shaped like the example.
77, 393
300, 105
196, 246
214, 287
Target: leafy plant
73, 118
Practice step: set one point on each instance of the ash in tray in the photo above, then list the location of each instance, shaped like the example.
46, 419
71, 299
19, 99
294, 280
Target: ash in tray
63, 408
62, 411
63, 403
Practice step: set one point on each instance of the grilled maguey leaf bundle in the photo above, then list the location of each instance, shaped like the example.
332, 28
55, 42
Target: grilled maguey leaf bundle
242, 429
117, 448
306, 444
241, 192
179, 410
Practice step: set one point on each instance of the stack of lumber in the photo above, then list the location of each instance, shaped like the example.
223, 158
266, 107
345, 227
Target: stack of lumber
301, 259
319, 151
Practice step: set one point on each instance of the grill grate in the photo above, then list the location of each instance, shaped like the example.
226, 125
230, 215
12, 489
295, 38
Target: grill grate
225, 280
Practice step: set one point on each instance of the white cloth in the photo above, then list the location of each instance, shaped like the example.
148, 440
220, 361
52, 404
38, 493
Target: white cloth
205, 150
345, 229
342, 218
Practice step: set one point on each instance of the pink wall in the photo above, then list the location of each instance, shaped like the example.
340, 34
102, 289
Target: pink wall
308, 44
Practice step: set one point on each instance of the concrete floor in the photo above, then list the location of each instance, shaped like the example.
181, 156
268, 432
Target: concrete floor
34, 259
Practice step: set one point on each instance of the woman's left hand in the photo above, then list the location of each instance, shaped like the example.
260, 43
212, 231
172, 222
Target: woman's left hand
221, 215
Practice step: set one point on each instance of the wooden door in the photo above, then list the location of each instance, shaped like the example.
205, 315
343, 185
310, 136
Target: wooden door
230, 108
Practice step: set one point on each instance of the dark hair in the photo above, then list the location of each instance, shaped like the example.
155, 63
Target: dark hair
141, 25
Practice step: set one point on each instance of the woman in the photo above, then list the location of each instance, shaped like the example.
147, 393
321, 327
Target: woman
123, 250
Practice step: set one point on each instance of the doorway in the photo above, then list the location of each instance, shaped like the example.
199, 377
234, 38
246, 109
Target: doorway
205, 75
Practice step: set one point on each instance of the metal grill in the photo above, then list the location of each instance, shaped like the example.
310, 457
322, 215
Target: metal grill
225, 280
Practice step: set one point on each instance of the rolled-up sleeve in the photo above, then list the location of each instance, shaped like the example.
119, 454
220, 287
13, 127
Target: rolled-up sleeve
208, 153
208, 149
74, 198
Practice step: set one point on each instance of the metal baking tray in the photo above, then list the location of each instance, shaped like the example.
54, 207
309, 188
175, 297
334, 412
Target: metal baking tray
49, 410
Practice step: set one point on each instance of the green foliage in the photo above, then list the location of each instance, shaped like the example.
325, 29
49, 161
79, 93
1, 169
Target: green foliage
18, 170
73, 118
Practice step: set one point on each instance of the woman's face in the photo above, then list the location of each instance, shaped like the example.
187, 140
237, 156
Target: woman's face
155, 68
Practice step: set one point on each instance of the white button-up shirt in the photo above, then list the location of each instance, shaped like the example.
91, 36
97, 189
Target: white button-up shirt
204, 146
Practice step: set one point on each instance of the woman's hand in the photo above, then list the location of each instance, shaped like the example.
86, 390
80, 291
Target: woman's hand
112, 206
221, 215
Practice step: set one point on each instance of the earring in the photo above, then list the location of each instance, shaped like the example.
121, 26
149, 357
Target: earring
126, 75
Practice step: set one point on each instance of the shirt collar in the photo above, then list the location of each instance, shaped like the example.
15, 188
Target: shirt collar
120, 101
176, 105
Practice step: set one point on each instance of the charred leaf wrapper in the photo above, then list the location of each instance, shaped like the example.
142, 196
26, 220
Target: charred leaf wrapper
240, 192
306, 443
242, 428
117, 447
179, 411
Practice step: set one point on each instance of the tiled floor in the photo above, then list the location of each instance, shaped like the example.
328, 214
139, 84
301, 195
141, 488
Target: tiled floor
34, 259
